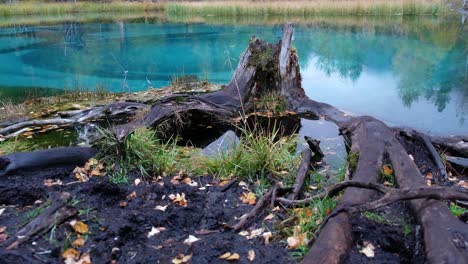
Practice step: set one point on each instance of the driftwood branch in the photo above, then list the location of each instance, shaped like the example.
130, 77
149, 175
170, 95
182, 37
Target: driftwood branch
435, 155
108, 111
53, 215
255, 211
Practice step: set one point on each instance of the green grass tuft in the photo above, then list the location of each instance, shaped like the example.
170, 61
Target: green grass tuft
260, 152
141, 151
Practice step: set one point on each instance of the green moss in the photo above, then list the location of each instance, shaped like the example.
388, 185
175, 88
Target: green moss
353, 159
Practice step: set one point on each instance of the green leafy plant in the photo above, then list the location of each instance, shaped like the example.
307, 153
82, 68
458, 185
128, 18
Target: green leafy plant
457, 210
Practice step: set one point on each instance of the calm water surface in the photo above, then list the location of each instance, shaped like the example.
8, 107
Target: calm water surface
407, 72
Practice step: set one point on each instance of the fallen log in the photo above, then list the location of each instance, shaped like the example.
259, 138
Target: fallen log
457, 145
110, 111
40, 159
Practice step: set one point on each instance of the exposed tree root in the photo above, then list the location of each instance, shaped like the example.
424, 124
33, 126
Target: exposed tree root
301, 174
255, 211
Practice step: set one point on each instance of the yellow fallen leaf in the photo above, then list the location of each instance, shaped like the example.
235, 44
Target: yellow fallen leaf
248, 198
234, 256
251, 255
225, 255
222, 183
79, 227
70, 253
181, 258
93, 161
79, 242
387, 170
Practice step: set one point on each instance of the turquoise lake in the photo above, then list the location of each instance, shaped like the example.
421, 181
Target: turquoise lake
407, 72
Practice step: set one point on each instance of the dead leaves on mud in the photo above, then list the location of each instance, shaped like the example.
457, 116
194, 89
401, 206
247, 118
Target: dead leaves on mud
72, 255
91, 168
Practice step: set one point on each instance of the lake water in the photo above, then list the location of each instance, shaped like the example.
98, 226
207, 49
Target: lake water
407, 72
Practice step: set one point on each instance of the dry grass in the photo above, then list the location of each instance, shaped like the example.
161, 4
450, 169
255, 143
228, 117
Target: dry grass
307, 8
11, 111
31, 8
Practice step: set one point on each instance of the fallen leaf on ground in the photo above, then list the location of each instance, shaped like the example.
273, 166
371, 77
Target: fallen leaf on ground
155, 231
293, 242
179, 199
137, 182
79, 242
222, 183
2, 210
230, 256
298, 238
387, 170
368, 249
251, 255
269, 217
132, 195
191, 239
234, 256
181, 258
429, 176
71, 253
50, 182
225, 255
248, 198
267, 236
79, 227
161, 208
